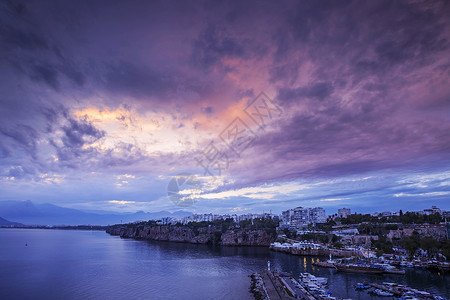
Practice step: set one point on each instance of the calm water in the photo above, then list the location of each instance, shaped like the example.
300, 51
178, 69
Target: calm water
59, 264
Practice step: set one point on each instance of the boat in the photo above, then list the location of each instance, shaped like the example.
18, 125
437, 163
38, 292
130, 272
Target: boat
406, 264
315, 286
392, 270
359, 268
331, 261
361, 286
305, 277
395, 271
389, 289
323, 264
382, 293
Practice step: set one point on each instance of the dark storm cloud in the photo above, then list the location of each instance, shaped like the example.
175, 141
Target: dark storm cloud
363, 86
373, 38
77, 133
320, 144
208, 110
124, 154
21, 39
215, 44
4, 152
47, 74
23, 135
318, 91
136, 80
365, 66
32, 50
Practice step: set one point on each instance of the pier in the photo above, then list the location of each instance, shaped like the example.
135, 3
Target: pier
281, 286
323, 264
386, 289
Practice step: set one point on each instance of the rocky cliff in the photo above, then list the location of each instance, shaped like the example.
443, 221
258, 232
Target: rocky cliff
202, 235
438, 232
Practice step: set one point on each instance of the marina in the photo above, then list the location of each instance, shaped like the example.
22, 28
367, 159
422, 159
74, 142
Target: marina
285, 286
359, 263
390, 289
282, 285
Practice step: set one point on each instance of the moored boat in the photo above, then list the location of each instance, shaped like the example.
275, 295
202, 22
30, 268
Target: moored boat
361, 286
382, 293
395, 271
359, 268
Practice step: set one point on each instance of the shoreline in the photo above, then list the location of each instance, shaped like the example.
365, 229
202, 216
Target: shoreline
80, 227
203, 235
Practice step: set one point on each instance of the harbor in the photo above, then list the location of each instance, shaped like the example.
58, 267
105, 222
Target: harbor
343, 284
284, 286
390, 289
393, 264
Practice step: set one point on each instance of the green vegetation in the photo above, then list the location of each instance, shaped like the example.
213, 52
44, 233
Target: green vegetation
259, 223
336, 240
403, 218
431, 245
221, 225
321, 238
328, 226
445, 248
382, 245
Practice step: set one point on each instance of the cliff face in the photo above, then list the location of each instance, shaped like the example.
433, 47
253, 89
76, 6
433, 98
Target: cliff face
247, 238
203, 235
437, 232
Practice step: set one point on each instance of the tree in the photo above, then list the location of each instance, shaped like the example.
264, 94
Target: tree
366, 229
429, 244
446, 249
382, 244
411, 244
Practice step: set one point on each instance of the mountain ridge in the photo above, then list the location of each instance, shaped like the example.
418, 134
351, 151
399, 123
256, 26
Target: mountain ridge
4, 222
28, 213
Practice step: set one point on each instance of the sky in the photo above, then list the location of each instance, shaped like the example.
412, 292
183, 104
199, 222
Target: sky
225, 106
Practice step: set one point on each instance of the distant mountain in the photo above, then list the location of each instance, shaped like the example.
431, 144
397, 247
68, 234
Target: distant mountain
48, 214
4, 222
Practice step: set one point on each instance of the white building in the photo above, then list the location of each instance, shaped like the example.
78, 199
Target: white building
306, 245
432, 210
301, 217
344, 212
317, 215
344, 232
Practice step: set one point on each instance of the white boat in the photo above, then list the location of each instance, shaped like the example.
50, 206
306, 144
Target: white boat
382, 293
314, 279
331, 261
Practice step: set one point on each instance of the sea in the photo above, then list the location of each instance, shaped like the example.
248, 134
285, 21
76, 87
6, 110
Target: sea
78, 264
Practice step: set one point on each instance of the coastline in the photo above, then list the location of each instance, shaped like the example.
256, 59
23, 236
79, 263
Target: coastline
313, 252
78, 227
204, 235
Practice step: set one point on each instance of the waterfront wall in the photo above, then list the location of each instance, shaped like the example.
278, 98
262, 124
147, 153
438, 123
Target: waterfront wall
203, 235
314, 252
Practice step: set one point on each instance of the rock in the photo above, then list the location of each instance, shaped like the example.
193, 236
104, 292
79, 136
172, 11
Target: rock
247, 238
202, 235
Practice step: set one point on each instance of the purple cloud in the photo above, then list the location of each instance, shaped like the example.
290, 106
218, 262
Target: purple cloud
141, 88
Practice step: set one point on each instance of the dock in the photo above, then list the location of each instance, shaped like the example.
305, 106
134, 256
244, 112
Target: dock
323, 264
386, 289
281, 288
